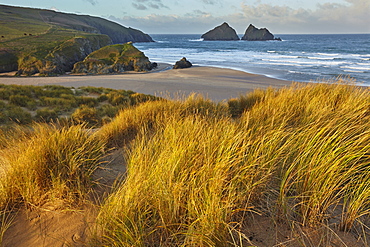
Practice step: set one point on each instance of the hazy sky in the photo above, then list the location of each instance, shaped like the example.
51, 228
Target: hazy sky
199, 16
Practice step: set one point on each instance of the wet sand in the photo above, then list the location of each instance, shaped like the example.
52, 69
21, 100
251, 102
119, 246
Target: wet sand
215, 83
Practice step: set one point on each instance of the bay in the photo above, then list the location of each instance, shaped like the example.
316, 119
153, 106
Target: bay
299, 58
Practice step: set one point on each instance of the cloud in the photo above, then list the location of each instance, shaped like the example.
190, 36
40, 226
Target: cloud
326, 18
351, 17
148, 4
139, 6
211, 2
198, 14
93, 2
195, 22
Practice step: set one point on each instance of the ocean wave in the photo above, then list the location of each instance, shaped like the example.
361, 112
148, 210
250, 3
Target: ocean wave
307, 63
196, 40
281, 63
353, 71
161, 41
303, 73
359, 68
321, 58
327, 54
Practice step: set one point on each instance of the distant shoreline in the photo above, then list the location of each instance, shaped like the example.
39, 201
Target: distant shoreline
215, 83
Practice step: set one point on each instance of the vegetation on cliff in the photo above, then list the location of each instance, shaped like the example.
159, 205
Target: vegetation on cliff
48, 42
114, 59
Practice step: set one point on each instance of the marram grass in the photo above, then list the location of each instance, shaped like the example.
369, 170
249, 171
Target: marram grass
196, 179
188, 182
49, 164
198, 171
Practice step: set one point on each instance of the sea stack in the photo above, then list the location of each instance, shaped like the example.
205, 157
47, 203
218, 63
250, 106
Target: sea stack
222, 32
254, 34
182, 64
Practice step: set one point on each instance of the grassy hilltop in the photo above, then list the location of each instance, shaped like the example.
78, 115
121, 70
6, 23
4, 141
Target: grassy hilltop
48, 42
276, 167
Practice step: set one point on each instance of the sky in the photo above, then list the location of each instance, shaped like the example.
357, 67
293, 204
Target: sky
199, 16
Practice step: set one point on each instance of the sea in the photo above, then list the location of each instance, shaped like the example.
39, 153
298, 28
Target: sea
301, 58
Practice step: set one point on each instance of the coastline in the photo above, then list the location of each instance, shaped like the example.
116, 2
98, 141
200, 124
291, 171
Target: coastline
214, 83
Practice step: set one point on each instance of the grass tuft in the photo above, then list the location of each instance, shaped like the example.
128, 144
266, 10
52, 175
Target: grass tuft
49, 164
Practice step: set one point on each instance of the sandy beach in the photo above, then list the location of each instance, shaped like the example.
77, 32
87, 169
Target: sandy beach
215, 83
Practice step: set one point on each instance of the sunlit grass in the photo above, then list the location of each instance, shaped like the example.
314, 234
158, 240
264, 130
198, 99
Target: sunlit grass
49, 164
192, 178
198, 172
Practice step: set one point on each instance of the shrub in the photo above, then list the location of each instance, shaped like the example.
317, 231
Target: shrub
56, 91
108, 110
4, 94
3, 118
18, 115
19, 100
60, 103
88, 101
116, 98
46, 114
85, 114
102, 98
137, 98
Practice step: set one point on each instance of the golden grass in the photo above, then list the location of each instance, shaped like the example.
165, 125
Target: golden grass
198, 171
187, 182
128, 122
48, 164
194, 179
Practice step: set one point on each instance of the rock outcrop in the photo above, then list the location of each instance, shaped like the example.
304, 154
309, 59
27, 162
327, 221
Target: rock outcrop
182, 64
8, 60
114, 59
222, 32
62, 57
254, 34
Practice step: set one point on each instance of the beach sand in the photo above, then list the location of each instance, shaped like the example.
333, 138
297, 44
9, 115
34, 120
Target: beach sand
215, 83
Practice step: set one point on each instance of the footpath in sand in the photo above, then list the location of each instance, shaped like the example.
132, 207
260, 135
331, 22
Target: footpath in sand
215, 83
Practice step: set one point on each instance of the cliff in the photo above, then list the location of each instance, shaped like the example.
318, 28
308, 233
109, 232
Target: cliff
222, 32
48, 42
254, 34
62, 57
114, 59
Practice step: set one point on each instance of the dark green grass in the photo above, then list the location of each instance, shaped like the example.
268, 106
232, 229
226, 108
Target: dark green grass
93, 106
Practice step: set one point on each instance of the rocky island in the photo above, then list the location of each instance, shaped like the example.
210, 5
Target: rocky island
46, 42
114, 59
255, 34
222, 32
